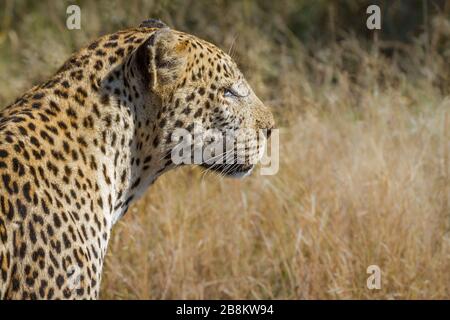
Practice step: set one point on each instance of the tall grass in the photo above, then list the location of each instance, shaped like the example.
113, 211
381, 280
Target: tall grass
364, 158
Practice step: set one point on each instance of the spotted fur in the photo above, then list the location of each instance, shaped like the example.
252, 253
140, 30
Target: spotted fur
77, 150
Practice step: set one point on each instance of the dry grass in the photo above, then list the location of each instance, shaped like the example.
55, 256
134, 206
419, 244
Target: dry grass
364, 171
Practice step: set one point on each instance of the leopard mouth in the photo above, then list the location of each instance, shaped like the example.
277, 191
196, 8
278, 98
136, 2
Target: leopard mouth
230, 170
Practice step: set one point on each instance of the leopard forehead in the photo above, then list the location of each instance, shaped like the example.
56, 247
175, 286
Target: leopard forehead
206, 58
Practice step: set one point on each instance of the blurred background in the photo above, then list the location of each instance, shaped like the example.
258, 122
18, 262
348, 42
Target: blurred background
364, 150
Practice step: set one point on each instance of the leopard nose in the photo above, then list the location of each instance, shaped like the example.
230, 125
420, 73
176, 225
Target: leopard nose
264, 119
267, 126
270, 125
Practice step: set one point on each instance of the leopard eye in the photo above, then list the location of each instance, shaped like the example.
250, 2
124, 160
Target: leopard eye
228, 93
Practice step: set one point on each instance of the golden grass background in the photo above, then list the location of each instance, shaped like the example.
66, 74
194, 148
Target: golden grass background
364, 153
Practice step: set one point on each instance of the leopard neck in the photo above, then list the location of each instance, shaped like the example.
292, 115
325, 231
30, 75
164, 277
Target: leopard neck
128, 140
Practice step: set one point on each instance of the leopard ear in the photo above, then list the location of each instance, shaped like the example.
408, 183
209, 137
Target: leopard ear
161, 60
153, 23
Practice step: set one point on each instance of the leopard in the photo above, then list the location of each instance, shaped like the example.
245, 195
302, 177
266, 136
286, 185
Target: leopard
77, 150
